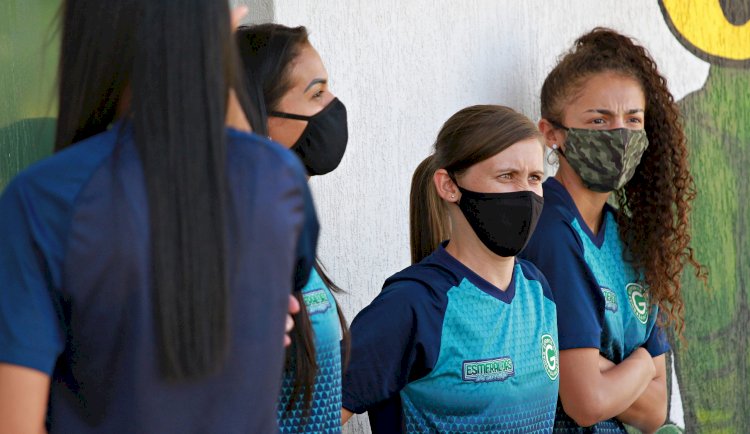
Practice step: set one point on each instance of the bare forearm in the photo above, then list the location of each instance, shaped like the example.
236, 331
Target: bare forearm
23, 400
649, 411
345, 416
590, 396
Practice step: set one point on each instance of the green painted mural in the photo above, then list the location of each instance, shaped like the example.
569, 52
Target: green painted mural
713, 369
28, 62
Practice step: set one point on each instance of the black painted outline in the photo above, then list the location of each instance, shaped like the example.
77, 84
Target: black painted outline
710, 58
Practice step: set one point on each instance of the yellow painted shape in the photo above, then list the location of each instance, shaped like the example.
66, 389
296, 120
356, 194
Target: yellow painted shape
703, 24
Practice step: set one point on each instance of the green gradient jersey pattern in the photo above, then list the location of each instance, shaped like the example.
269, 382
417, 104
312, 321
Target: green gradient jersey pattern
713, 370
522, 398
324, 415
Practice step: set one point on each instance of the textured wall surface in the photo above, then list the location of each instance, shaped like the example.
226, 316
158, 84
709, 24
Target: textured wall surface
403, 67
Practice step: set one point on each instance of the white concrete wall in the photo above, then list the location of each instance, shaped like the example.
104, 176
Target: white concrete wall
402, 68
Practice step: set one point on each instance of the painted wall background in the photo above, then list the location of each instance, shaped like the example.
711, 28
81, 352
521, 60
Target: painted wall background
714, 367
28, 64
403, 67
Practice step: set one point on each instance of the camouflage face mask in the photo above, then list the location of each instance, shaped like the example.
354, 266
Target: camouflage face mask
604, 159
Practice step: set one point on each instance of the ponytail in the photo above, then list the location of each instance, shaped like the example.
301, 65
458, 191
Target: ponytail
428, 223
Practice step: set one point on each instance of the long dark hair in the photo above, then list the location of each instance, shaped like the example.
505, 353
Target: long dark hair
470, 136
655, 204
175, 63
268, 52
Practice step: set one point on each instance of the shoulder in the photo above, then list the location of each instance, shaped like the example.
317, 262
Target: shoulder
531, 273
48, 188
428, 278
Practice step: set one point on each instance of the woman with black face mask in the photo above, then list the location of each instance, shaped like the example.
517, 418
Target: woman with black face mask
613, 127
465, 339
287, 79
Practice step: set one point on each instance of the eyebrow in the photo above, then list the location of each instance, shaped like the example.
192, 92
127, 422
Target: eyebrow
314, 82
611, 113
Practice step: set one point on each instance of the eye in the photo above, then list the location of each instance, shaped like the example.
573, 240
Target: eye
535, 178
506, 176
598, 121
318, 94
635, 120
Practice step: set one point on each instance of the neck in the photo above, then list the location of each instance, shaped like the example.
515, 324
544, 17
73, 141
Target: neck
590, 204
470, 251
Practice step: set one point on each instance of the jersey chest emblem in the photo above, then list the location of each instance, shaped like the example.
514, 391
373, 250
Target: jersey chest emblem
610, 299
316, 301
482, 371
638, 299
550, 357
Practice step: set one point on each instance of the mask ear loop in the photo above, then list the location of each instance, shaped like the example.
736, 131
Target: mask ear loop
289, 116
553, 153
452, 176
556, 150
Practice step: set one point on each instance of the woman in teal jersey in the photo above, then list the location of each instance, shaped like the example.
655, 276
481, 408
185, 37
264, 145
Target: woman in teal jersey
464, 340
613, 126
287, 77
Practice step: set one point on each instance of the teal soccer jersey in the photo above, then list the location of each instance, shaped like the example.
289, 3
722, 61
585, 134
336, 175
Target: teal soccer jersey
441, 350
601, 302
325, 413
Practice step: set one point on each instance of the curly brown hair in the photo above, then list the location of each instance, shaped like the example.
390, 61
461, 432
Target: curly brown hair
655, 204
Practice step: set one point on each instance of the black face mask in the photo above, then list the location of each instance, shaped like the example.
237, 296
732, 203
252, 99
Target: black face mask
323, 142
504, 222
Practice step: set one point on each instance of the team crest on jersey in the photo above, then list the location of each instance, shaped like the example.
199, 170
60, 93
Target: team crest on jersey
550, 357
610, 299
316, 301
638, 299
482, 371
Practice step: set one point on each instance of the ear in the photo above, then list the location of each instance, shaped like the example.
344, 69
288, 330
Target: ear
553, 135
446, 188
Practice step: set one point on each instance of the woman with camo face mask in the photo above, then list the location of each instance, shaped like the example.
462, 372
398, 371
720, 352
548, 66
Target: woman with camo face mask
612, 127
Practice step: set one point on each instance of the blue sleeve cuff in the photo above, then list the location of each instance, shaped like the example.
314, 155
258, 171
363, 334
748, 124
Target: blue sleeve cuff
657, 344
37, 359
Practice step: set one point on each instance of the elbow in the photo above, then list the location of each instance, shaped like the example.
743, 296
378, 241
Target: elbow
585, 412
656, 419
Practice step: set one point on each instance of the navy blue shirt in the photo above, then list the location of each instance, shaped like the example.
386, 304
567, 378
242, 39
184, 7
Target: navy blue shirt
601, 302
440, 349
76, 299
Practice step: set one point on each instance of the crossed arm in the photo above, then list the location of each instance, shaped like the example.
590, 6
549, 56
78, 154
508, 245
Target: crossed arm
593, 389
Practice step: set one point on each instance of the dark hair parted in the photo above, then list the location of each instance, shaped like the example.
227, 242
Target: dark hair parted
470, 136
268, 52
655, 204
178, 61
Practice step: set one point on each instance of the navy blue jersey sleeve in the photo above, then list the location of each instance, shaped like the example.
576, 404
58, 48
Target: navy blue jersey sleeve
31, 332
657, 343
388, 347
531, 272
558, 252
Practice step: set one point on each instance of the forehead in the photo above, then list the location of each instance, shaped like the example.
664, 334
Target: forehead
524, 154
609, 90
306, 66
